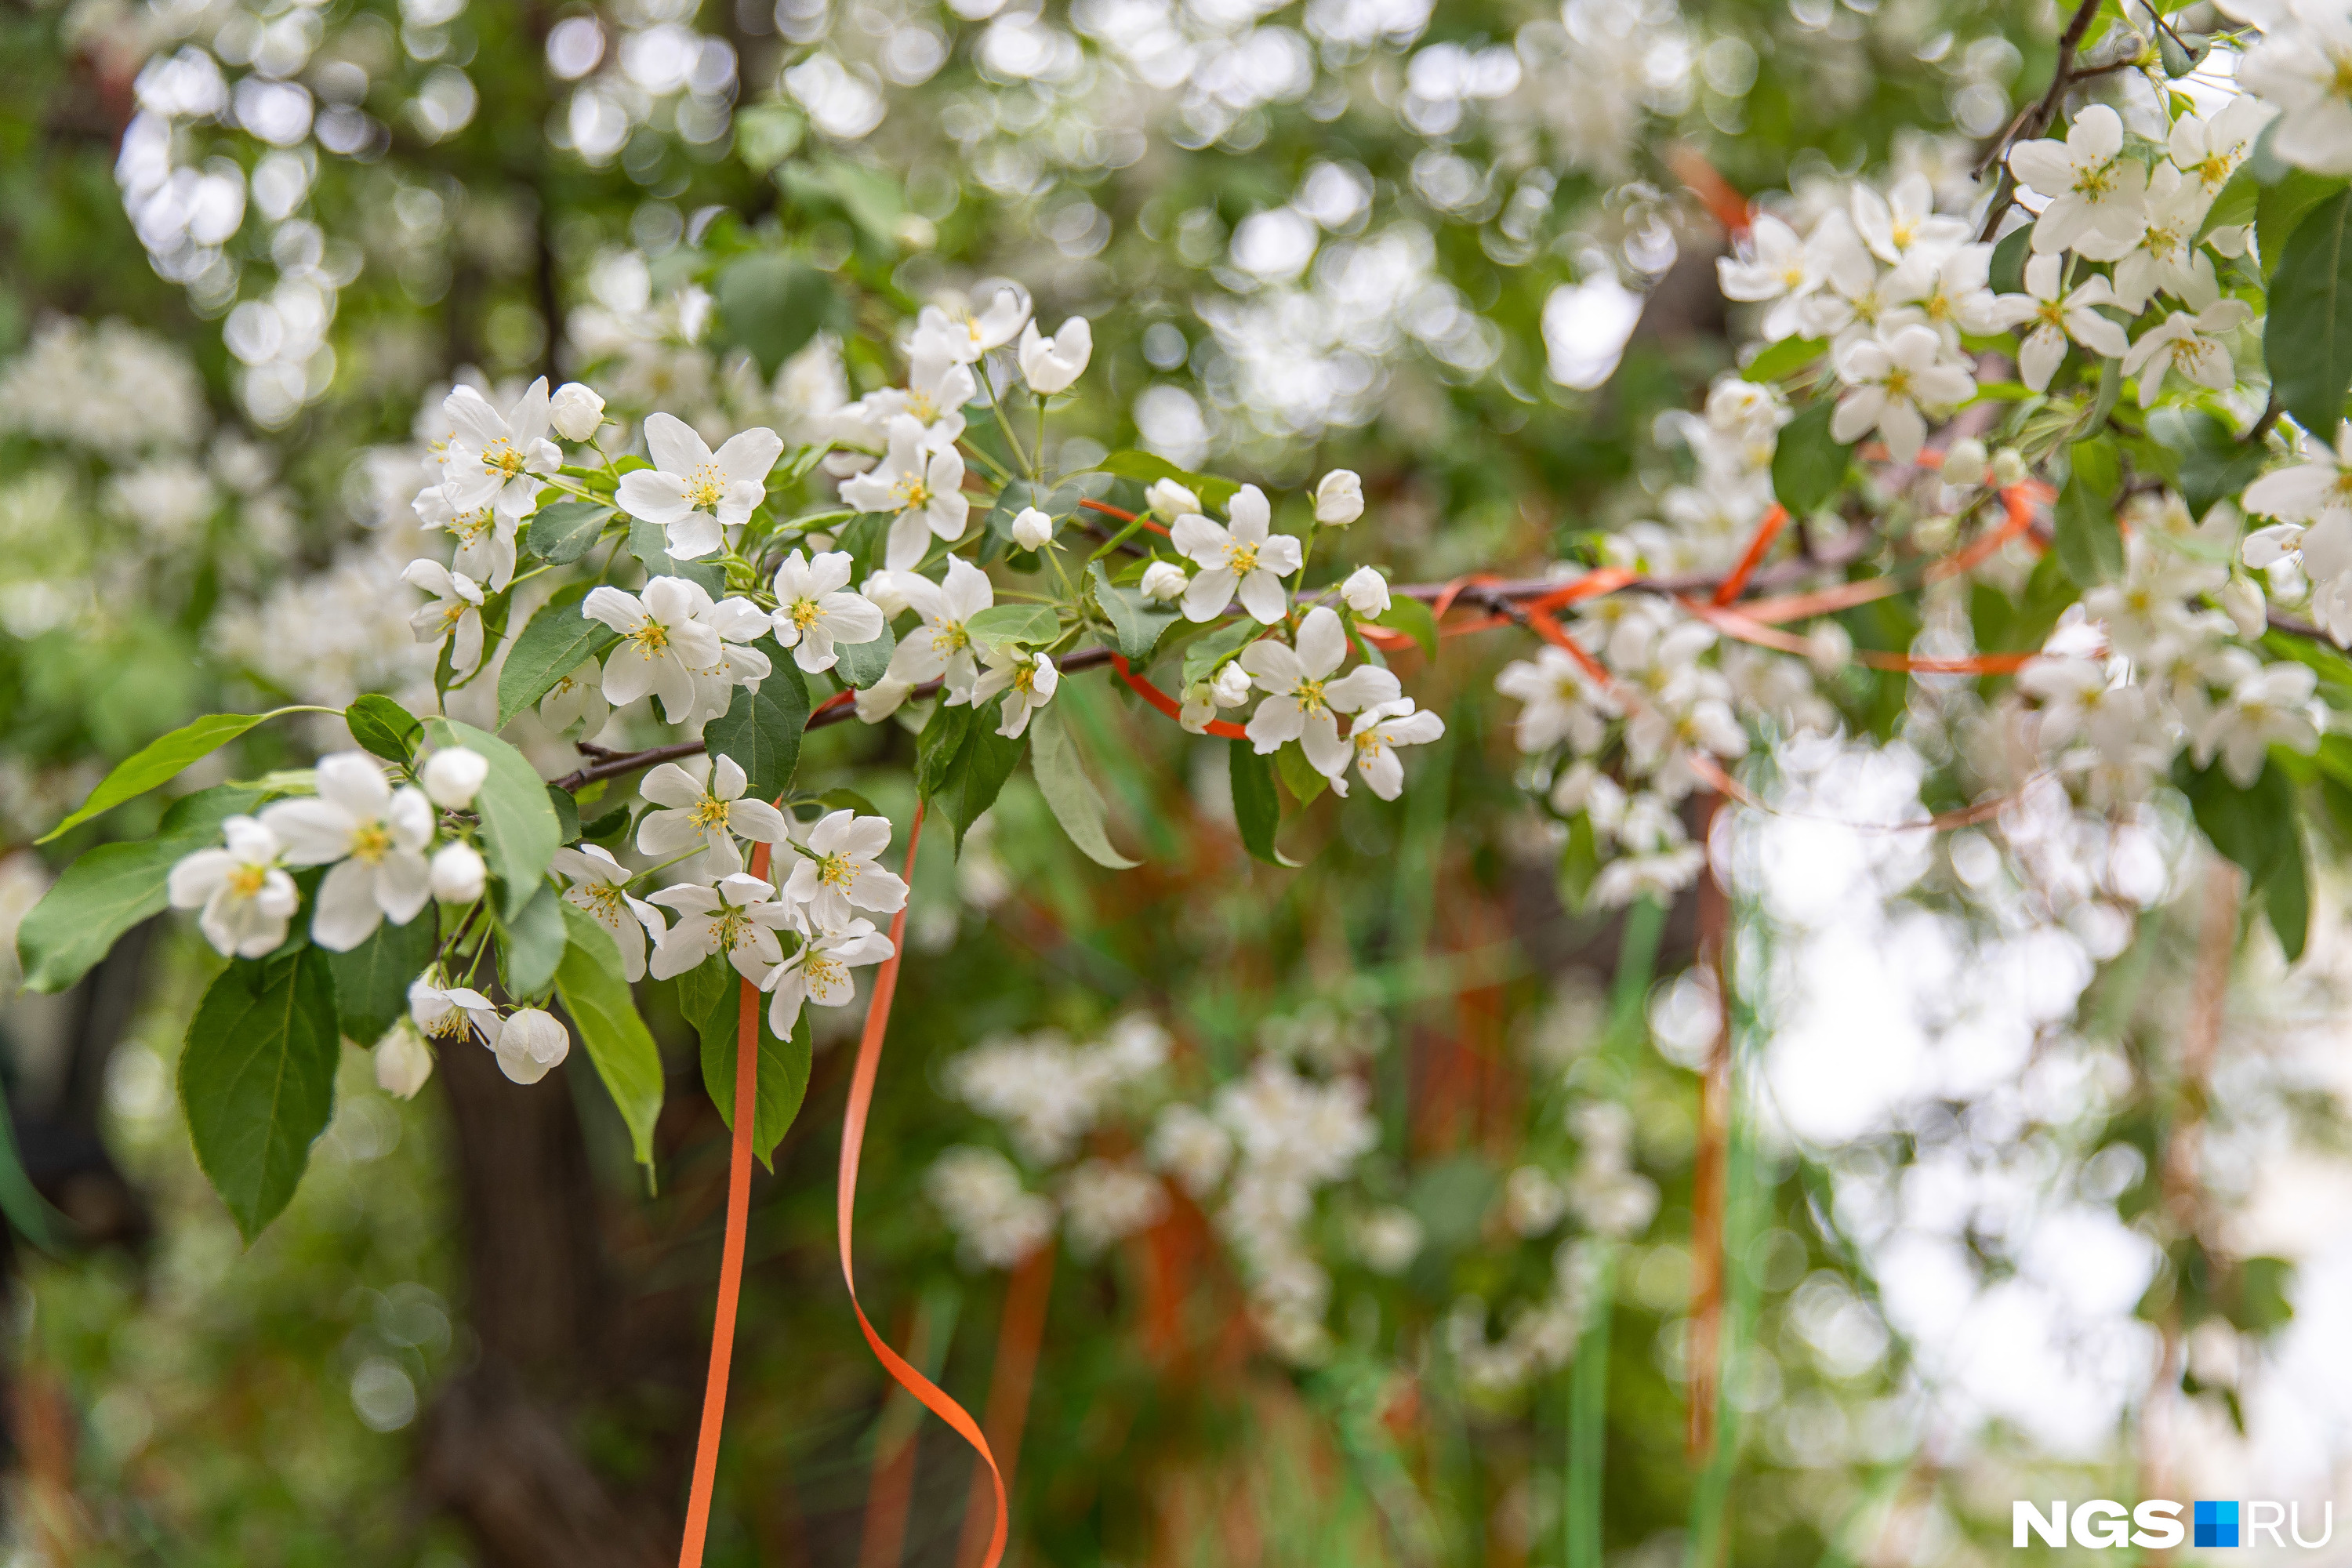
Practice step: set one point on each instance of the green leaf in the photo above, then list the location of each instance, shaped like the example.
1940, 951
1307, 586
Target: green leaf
1136, 622
783, 1071
1144, 468
115, 886
567, 813
1809, 465
1298, 775
2253, 827
1412, 618
862, 664
383, 727
2264, 1301
372, 980
1204, 654
2286, 902
770, 305
1071, 796
1010, 625
1580, 863
520, 831
606, 826
531, 945
258, 1081
2214, 464
562, 530
2281, 210
981, 766
158, 762
589, 982
768, 133
2308, 341
2007, 273
937, 746
1776, 362
2099, 463
2090, 548
761, 729
650, 545
27, 1210
1257, 805
558, 640
2238, 202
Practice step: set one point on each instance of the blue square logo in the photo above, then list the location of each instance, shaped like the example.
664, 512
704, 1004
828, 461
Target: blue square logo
2216, 1524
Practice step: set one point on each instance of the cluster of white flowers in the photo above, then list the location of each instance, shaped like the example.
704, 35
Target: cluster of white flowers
1048, 1091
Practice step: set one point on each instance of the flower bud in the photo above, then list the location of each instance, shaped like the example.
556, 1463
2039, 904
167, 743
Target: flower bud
1230, 687
1829, 647
403, 1061
1170, 499
1164, 581
532, 1043
1964, 462
2007, 468
453, 777
1366, 592
1198, 708
1052, 364
575, 411
1032, 529
2242, 597
458, 873
1339, 498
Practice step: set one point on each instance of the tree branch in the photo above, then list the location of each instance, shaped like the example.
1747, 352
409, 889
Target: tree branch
2032, 125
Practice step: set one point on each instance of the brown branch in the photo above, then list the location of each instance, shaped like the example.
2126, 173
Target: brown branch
2031, 126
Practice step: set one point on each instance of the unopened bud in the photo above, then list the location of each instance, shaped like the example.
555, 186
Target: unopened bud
454, 776
1230, 687
1339, 498
532, 1043
1366, 592
1170, 500
575, 411
1032, 529
1964, 462
458, 873
2007, 468
1829, 647
2249, 611
1163, 581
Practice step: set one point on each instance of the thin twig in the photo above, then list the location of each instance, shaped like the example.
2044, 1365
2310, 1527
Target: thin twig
2033, 125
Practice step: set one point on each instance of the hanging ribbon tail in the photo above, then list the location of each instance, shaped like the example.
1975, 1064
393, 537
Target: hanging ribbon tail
1766, 531
730, 1266
1143, 688
1121, 514
852, 1143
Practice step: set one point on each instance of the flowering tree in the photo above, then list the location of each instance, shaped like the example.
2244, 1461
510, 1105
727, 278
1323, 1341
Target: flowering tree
2027, 470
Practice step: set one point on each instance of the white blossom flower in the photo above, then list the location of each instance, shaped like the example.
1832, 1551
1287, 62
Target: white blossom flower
2164, 253
1773, 266
966, 337
1169, 500
1949, 287
708, 810
1032, 529
600, 889
1247, 561
1104, 1201
997, 1222
2313, 492
1560, 701
2275, 707
1189, 1145
887, 592
884, 698
1027, 679
1389, 1238
533, 1044
2096, 193
1163, 581
1533, 1201
1339, 498
576, 411
923, 490
1229, 687
819, 972
838, 872
2302, 66
2209, 149
453, 777
485, 535
738, 623
663, 642
1377, 733
1902, 224
1366, 591
1053, 364
940, 648
1964, 464
2057, 318
693, 493
1890, 381
403, 1061
245, 898
576, 703
814, 612
938, 387
2189, 345
490, 458
1302, 698
737, 919
456, 612
2243, 600
450, 1012
375, 837
456, 873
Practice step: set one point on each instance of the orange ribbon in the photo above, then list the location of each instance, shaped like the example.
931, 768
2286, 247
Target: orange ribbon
852, 1143
730, 1264
1167, 704
1766, 531
1122, 514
